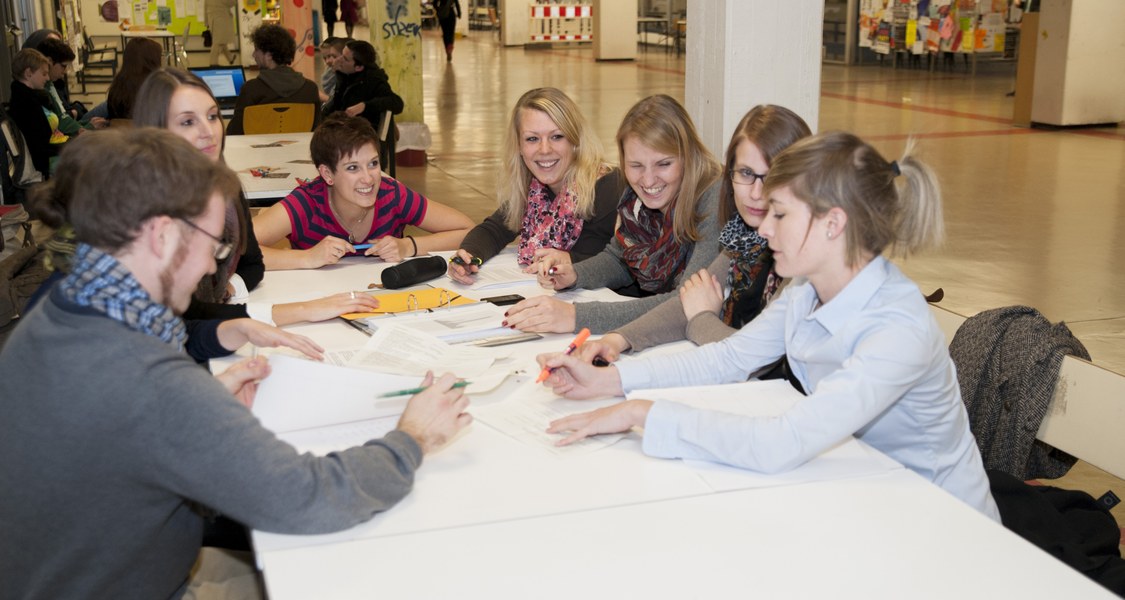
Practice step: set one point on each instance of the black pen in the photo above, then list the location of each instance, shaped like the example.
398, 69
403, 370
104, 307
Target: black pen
457, 260
360, 325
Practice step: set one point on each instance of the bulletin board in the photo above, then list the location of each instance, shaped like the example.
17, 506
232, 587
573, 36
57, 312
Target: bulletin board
106, 17
930, 26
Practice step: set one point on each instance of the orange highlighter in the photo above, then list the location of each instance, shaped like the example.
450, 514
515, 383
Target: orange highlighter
578, 341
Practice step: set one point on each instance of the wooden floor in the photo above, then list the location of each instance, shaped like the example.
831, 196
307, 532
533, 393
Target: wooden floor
1033, 216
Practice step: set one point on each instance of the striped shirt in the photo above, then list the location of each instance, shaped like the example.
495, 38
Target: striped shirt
311, 218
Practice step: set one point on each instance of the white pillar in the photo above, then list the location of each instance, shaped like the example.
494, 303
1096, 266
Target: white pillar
399, 42
1079, 77
515, 15
615, 30
741, 53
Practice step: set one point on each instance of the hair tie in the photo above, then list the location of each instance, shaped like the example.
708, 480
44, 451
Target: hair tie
895, 169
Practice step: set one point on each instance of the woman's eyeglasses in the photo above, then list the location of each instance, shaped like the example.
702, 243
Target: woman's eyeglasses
746, 177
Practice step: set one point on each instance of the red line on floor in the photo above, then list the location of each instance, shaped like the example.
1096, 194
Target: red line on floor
951, 134
915, 107
1101, 134
892, 80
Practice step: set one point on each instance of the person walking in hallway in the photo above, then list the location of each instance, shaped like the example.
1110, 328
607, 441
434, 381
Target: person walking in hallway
220, 21
448, 11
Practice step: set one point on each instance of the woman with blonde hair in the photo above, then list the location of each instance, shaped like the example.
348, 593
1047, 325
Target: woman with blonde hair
857, 332
668, 230
556, 193
706, 310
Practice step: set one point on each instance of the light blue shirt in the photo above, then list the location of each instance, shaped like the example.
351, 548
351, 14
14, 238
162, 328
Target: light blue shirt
875, 364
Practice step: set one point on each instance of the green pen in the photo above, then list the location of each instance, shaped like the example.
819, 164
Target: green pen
417, 390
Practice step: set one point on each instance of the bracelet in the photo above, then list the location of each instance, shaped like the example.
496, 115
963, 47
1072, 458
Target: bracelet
413, 243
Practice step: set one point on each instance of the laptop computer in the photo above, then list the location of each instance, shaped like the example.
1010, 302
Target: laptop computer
225, 84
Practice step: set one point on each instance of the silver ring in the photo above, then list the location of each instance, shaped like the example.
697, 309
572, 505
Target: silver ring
353, 295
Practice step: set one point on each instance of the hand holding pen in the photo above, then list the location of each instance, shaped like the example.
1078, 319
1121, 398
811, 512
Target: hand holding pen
572, 378
556, 276
544, 259
578, 341
462, 267
432, 417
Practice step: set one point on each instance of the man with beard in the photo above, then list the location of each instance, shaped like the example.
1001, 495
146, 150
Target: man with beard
113, 439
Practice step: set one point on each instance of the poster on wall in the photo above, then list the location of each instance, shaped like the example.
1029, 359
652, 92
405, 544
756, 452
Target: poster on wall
882, 43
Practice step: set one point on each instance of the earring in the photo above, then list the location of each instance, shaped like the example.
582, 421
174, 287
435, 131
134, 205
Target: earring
829, 235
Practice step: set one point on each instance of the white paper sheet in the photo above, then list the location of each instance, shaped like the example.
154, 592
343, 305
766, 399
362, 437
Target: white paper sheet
323, 440
458, 325
525, 415
496, 275
302, 394
851, 458
402, 350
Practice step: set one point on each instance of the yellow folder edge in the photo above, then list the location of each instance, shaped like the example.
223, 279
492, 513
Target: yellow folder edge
400, 302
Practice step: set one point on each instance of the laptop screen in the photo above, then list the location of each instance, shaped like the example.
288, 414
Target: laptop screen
225, 82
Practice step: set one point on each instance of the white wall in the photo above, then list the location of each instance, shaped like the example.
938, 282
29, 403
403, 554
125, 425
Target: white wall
1080, 63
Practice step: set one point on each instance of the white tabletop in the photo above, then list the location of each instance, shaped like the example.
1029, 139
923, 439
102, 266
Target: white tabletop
284, 155
492, 517
887, 536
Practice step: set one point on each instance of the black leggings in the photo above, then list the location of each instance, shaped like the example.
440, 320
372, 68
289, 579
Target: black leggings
448, 26
328, 11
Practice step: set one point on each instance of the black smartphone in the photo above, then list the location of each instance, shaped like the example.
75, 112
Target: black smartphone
503, 300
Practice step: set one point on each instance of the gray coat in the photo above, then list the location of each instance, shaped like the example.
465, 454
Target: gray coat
1008, 362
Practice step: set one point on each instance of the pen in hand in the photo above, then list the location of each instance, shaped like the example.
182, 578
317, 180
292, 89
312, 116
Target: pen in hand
457, 260
578, 341
418, 390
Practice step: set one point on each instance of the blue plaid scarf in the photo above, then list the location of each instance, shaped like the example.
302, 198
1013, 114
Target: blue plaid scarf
98, 281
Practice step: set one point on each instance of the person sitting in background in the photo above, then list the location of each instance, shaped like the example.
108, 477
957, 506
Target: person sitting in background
330, 51
30, 109
364, 90
62, 87
97, 393
705, 310
668, 227
61, 55
141, 57
350, 203
274, 50
556, 193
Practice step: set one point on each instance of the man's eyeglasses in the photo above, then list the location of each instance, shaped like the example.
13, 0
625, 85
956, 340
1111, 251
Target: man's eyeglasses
746, 177
222, 249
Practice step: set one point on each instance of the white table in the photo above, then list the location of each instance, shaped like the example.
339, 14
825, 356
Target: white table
890, 536
281, 153
490, 517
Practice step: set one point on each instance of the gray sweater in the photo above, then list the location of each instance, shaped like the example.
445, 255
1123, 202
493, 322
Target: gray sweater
608, 269
110, 438
666, 323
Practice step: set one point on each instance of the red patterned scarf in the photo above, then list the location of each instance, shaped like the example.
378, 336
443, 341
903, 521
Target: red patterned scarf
549, 222
652, 252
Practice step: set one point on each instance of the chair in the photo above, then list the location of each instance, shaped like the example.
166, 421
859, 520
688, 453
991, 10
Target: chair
181, 57
388, 135
286, 117
96, 58
1086, 409
429, 16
